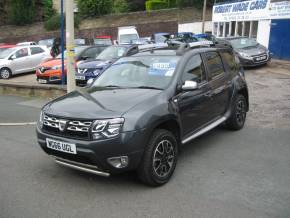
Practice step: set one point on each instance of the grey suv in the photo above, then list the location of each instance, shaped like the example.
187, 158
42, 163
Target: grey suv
139, 112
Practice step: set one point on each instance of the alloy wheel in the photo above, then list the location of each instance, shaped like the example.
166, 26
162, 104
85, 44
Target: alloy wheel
163, 158
5, 74
241, 111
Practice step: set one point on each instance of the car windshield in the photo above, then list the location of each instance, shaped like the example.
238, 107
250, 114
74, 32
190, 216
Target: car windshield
128, 38
159, 38
103, 41
46, 42
6, 52
112, 52
152, 72
243, 43
78, 51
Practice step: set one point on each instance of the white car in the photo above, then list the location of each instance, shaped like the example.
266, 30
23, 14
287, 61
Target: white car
127, 35
26, 43
21, 59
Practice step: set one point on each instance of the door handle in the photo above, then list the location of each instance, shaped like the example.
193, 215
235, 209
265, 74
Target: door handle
208, 94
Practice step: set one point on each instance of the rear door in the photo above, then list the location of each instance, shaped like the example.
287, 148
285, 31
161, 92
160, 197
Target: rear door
194, 106
219, 83
37, 55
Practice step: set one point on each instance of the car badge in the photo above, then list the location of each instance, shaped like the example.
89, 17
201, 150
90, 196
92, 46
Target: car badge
62, 125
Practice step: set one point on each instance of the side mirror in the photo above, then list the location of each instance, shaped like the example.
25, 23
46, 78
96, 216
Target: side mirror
12, 57
84, 58
189, 85
90, 82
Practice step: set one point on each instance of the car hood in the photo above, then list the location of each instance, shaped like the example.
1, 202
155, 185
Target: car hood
96, 64
3, 61
257, 50
51, 63
98, 103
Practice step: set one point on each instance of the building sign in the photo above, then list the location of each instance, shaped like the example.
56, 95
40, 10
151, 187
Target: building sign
241, 11
280, 10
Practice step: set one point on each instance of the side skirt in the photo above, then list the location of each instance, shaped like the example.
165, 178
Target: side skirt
204, 130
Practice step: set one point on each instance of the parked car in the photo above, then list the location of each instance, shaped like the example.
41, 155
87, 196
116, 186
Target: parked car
26, 43
139, 112
127, 35
249, 51
143, 41
46, 42
51, 70
160, 37
84, 41
94, 67
21, 59
6, 46
103, 40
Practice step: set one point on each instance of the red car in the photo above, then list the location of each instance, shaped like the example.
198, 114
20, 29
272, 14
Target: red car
5, 46
103, 40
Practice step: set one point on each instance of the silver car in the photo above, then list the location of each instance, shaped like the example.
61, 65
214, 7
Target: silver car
21, 59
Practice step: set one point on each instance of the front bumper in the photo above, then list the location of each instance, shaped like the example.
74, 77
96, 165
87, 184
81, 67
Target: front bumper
252, 63
96, 153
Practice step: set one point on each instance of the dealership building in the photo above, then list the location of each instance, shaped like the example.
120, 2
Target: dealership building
267, 21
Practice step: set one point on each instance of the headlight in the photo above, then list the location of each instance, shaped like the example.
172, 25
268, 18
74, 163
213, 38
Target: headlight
57, 67
107, 128
96, 72
245, 55
41, 119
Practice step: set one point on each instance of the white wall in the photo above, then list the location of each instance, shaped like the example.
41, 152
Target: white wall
195, 27
263, 34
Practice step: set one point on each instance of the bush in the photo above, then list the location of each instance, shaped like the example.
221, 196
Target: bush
22, 12
120, 6
93, 8
156, 5
54, 23
48, 10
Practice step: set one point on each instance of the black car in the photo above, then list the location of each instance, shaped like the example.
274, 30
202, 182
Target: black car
249, 51
93, 67
139, 112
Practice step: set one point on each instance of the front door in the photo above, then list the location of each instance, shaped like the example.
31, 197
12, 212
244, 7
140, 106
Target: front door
194, 105
20, 61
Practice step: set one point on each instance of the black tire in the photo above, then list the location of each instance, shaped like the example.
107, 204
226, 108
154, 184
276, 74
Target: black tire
5, 73
238, 114
149, 171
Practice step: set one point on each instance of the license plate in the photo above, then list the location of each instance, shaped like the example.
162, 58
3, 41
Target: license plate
80, 77
42, 81
61, 146
261, 58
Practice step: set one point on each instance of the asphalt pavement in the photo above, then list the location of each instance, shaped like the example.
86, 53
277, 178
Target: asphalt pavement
222, 174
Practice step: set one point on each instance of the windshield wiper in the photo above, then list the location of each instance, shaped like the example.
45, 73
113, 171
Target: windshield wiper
147, 87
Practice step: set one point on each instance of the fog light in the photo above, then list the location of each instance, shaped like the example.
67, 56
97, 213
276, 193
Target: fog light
119, 162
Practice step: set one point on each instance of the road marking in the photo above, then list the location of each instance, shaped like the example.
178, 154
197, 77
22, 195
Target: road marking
18, 124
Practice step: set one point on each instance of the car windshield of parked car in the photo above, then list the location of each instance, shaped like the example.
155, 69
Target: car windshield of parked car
128, 38
112, 52
46, 42
78, 51
104, 41
243, 43
152, 72
7, 52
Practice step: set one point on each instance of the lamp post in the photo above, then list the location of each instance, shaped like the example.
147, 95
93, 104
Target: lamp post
62, 43
70, 50
203, 15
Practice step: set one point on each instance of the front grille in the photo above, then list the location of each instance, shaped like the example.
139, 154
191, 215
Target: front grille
77, 129
260, 58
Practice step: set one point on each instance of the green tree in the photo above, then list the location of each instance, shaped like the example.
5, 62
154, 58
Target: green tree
48, 10
120, 6
21, 11
93, 8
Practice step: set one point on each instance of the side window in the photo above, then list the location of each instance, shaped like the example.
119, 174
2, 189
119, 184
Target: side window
214, 63
21, 53
194, 70
229, 61
36, 50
